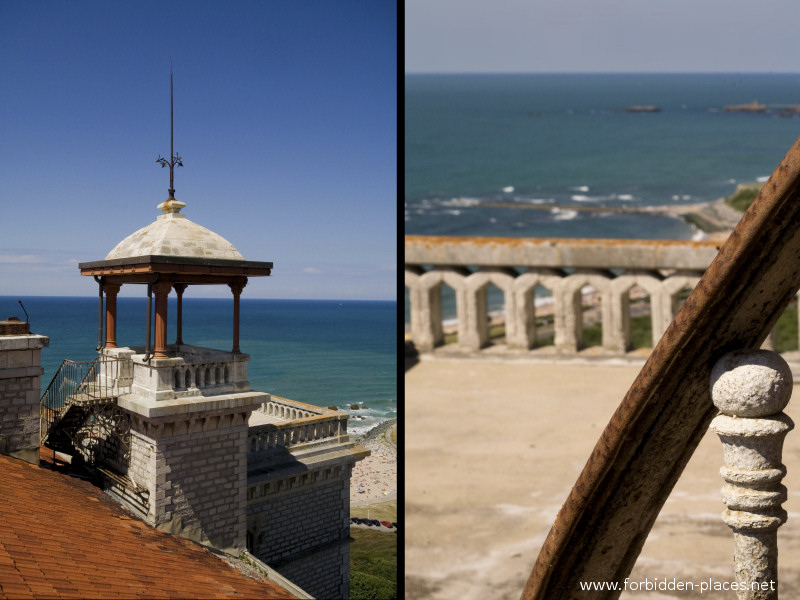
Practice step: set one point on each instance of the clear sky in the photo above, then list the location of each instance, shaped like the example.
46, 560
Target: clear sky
448, 36
285, 116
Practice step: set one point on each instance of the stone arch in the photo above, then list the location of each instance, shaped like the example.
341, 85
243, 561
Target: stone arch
523, 334
425, 296
569, 311
476, 311
178, 376
621, 287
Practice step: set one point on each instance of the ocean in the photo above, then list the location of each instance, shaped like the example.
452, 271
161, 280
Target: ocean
481, 148
322, 352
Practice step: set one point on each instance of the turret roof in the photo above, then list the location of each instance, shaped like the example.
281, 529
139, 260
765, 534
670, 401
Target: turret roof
172, 234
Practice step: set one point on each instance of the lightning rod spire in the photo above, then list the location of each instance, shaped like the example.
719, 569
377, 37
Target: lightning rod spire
175, 159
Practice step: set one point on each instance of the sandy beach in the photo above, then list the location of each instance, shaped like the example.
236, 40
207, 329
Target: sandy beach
374, 478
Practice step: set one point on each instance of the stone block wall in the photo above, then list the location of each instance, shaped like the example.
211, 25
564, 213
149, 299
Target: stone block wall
20, 393
195, 473
300, 526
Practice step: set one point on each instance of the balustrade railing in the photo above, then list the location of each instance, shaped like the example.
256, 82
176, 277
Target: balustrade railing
202, 375
543, 284
304, 424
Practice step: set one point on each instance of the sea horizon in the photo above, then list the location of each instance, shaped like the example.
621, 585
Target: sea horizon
483, 149
339, 353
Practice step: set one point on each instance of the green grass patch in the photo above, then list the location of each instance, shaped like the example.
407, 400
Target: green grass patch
373, 565
743, 197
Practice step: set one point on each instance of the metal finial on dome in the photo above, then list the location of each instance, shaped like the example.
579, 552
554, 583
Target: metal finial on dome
175, 159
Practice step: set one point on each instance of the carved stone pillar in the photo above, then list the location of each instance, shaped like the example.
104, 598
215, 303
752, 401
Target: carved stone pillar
161, 291
111, 290
751, 388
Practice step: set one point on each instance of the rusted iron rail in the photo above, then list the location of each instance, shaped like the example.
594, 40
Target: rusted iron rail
602, 526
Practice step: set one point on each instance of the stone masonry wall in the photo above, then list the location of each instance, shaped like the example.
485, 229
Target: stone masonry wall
196, 479
20, 392
300, 526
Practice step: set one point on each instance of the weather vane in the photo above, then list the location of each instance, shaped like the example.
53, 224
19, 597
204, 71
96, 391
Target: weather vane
175, 159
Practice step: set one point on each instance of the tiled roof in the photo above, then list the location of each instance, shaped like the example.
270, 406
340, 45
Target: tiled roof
62, 537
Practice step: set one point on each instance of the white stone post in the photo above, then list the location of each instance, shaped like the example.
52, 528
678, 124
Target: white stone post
751, 388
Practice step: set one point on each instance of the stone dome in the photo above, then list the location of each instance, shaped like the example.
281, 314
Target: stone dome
172, 234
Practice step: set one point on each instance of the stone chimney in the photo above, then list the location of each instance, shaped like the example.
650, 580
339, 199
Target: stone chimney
20, 389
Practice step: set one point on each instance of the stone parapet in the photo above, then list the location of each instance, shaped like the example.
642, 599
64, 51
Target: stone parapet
190, 372
20, 392
298, 503
558, 253
661, 272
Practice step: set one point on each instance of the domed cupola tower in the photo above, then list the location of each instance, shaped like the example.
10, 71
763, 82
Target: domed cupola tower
182, 457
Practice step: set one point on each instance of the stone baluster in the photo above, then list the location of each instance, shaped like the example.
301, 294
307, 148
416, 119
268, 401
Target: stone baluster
751, 388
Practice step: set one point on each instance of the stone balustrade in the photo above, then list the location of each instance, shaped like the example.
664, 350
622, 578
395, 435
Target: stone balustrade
664, 271
299, 423
188, 371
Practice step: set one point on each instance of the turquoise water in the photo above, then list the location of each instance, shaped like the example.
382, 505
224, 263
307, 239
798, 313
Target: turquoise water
326, 353
525, 140
565, 139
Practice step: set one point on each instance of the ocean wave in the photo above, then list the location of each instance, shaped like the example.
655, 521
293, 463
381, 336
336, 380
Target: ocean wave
560, 214
625, 197
582, 198
508, 189
461, 202
580, 188
762, 179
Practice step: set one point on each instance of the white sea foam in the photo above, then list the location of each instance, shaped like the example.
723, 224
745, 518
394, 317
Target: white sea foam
560, 214
462, 202
454, 212
625, 197
580, 188
508, 189
582, 198
762, 179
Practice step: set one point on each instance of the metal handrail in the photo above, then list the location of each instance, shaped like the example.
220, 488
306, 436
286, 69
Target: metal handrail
87, 382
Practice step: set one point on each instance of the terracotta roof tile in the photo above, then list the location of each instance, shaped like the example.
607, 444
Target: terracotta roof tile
64, 538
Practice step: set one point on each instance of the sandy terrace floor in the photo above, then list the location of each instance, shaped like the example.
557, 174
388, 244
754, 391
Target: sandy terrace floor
493, 448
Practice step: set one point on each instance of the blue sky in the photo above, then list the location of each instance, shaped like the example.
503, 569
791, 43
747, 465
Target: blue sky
447, 36
285, 116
